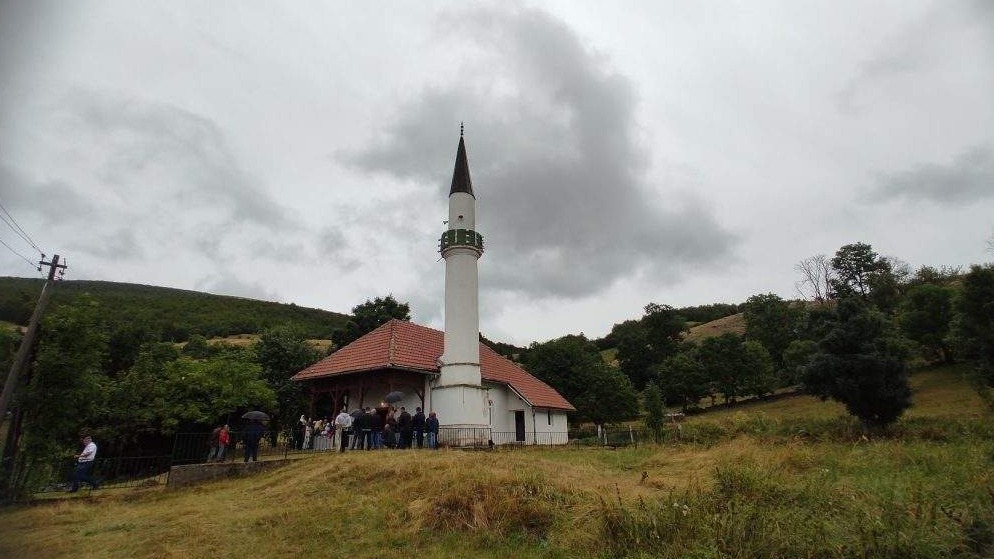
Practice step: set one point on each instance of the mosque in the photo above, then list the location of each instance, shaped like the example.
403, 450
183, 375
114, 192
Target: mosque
477, 394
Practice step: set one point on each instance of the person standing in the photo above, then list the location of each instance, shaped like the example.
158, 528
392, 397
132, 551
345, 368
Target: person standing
376, 424
405, 423
223, 440
83, 473
212, 444
431, 427
419, 427
343, 422
253, 434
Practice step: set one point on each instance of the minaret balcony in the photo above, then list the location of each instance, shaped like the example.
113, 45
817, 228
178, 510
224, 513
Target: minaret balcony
460, 238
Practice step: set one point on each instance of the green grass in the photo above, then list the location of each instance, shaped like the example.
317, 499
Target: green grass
768, 480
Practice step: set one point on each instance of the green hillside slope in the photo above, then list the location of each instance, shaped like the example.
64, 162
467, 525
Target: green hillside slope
173, 313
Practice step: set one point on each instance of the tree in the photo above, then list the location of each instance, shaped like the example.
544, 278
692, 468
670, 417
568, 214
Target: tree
973, 330
648, 342
655, 411
282, 351
772, 322
608, 396
722, 360
816, 278
759, 377
67, 390
795, 358
573, 366
368, 317
861, 363
924, 316
564, 363
853, 264
682, 380
632, 339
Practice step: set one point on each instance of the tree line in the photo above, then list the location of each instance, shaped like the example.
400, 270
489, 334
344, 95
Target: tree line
134, 393
862, 320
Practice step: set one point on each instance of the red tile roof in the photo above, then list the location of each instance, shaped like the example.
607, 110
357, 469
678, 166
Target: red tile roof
403, 345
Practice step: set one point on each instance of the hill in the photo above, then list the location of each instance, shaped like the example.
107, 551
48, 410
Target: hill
174, 314
759, 482
734, 324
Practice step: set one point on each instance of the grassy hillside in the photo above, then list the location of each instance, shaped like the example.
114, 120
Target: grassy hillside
734, 324
173, 313
782, 479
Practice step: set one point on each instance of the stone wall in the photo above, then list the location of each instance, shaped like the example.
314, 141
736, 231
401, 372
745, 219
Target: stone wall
182, 476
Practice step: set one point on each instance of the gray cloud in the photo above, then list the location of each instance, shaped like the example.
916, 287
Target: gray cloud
966, 179
556, 167
148, 140
228, 284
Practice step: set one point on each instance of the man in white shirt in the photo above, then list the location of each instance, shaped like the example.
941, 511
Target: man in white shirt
342, 422
84, 465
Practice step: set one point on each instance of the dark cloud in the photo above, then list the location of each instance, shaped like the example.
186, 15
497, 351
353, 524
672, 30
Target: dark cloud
557, 170
967, 178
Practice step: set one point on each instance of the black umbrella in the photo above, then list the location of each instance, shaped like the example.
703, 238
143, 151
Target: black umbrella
256, 416
393, 397
356, 413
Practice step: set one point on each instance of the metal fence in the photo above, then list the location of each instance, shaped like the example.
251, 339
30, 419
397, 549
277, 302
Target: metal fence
110, 473
195, 448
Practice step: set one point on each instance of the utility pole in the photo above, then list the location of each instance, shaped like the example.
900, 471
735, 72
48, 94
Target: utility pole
24, 351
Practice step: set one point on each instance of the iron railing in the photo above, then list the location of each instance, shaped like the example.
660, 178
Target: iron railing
195, 448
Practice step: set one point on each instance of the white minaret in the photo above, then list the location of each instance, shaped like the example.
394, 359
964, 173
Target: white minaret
458, 395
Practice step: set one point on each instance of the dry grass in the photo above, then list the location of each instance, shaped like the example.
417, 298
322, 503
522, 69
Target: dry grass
734, 324
245, 340
523, 503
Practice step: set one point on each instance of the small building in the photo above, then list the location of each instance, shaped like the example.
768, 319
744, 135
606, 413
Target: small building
401, 356
479, 396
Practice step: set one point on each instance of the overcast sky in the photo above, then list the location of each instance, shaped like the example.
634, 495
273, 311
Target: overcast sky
622, 153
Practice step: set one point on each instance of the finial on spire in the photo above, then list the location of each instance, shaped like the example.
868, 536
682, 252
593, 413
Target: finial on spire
461, 127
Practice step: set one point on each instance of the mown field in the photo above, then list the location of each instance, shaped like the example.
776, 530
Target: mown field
788, 478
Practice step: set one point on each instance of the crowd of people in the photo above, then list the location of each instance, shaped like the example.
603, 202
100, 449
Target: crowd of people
371, 429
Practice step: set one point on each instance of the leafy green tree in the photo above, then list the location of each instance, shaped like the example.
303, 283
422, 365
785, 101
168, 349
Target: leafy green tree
573, 366
925, 316
772, 322
974, 326
759, 377
368, 317
682, 380
861, 363
283, 351
645, 344
655, 411
722, 360
854, 264
860, 272
197, 347
564, 363
632, 339
795, 358
67, 391
609, 396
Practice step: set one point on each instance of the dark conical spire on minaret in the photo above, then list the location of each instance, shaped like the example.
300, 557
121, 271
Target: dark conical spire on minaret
460, 176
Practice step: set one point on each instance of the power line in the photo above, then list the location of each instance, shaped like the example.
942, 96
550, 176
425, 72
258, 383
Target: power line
17, 228
30, 263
